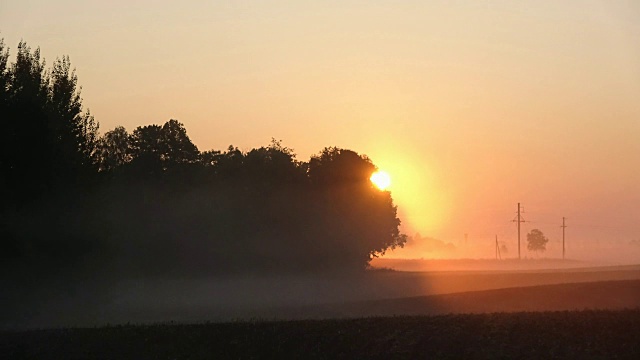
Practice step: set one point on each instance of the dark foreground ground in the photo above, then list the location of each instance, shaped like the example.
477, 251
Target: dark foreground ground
531, 335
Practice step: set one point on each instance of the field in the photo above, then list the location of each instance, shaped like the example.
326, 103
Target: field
571, 312
305, 296
612, 295
388, 293
511, 264
527, 335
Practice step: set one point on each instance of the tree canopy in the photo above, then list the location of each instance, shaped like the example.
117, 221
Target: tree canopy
536, 241
148, 202
48, 141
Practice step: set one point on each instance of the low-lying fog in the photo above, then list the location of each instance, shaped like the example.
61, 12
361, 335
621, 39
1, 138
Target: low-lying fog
271, 296
616, 251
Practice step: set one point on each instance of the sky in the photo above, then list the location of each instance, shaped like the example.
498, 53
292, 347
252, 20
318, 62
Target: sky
470, 106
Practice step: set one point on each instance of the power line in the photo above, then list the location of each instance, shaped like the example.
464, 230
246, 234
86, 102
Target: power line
542, 222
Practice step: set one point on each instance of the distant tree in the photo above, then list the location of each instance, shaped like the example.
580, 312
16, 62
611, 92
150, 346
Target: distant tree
503, 248
229, 164
113, 149
156, 149
273, 166
177, 148
209, 158
146, 149
536, 241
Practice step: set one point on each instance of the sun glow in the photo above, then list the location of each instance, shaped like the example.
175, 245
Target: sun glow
423, 199
381, 179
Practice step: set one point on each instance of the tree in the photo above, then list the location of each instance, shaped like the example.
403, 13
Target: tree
536, 241
145, 146
177, 147
47, 148
113, 149
25, 169
75, 134
156, 149
340, 167
4, 76
273, 166
44, 110
159, 201
209, 158
354, 216
503, 248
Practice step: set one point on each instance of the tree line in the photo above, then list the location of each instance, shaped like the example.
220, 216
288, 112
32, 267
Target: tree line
149, 202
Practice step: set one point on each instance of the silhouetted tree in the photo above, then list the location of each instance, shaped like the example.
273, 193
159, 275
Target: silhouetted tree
47, 140
273, 166
503, 248
209, 158
177, 148
356, 217
156, 149
146, 150
75, 134
229, 164
46, 161
536, 241
159, 206
25, 167
5, 78
335, 166
113, 149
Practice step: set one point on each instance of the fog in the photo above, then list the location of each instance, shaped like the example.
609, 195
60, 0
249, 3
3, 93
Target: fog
611, 250
97, 302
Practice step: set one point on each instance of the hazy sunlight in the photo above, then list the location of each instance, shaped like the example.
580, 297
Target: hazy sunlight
381, 179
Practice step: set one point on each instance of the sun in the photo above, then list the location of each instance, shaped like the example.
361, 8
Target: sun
380, 179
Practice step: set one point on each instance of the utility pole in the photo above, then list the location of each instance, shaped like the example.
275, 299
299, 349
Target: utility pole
519, 220
563, 227
498, 255
518, 231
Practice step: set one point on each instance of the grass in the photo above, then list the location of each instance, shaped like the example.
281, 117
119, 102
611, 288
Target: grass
587, 334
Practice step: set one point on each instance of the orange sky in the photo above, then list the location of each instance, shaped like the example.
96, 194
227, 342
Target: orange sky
471, 106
